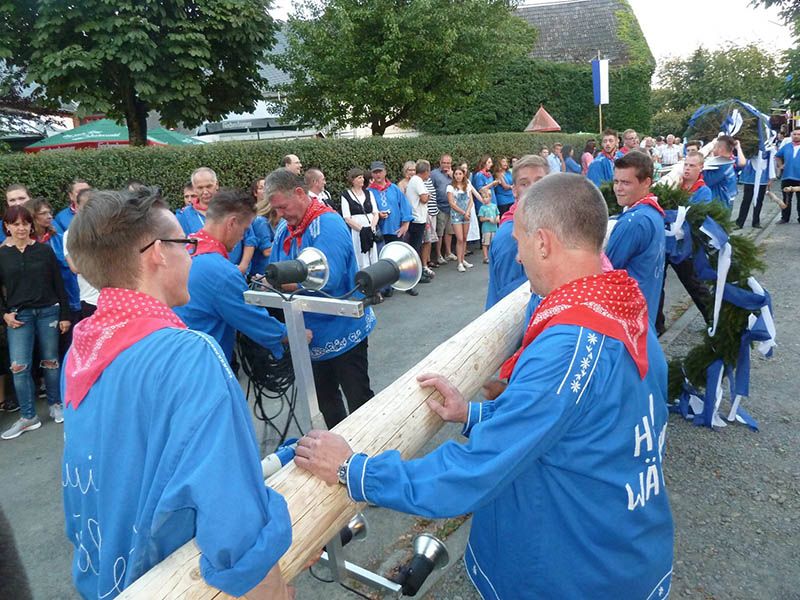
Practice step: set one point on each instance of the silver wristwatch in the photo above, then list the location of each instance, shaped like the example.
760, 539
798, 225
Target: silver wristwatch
341, 473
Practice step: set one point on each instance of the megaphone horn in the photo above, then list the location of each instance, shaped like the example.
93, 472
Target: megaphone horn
398, 265
356, 529
310, 270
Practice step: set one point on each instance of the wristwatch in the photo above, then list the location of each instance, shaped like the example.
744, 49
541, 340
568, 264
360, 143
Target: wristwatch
341, 473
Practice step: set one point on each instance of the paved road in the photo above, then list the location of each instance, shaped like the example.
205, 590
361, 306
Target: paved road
735, 493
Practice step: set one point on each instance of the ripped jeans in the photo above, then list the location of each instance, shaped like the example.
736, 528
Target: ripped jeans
42, 324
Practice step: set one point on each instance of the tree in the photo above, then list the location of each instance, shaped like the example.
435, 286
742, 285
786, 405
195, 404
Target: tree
743, 72
191, 60
383, 62
790, 13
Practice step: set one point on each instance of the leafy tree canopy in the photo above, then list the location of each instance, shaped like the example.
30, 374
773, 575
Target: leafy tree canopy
747, 73
384, 62
191, 60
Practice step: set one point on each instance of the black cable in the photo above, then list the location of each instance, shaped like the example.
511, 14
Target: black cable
356, 592
317, 577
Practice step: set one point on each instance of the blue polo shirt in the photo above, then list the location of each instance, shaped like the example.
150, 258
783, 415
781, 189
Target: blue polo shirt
790, 155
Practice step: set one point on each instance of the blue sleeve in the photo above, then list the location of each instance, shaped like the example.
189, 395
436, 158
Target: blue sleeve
701, 196
529, 418
181, 216
782, 153
476, 413
242, 526
253, 321
405, 208
336, 244
593, 173
626, 241
250, 239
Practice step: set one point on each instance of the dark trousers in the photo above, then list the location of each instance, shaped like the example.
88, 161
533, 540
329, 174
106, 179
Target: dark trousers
786, 213
65, 340
699, 292
350, 371
415, 233
747, 199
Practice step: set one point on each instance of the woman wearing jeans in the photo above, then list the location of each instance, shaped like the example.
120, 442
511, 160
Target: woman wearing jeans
34, 306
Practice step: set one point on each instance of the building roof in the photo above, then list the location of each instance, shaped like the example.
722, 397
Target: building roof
574, 30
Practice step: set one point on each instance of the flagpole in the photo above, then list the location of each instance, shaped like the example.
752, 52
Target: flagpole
600, 104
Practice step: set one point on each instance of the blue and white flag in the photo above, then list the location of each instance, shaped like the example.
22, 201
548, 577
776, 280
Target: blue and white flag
600, 81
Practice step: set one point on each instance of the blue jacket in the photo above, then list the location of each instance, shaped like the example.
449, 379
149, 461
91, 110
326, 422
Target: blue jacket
393, 200
601, 170
192, 220
637, 244
263, 236
505, 273
791, 162
331, 235
217, 307
563, 472
250, 240
722, 182
505, 197
56, 242
161, 450
62, 219
701, 196
478, 181
748, 174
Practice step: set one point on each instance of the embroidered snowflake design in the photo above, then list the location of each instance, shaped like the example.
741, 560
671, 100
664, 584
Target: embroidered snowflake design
586, 362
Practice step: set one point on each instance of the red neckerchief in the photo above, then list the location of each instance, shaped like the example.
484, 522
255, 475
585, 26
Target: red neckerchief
196, 205
123, 317
610, 304
624, 150
375, 186
509, 214
697, 185
206, 244
45, 237
611, 157
650, 200
315, 209
485, 172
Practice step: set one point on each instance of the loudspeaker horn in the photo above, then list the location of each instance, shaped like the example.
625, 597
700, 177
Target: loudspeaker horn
398, 265
309, 269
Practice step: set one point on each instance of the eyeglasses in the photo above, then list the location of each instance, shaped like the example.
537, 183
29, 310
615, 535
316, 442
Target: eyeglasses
185, 241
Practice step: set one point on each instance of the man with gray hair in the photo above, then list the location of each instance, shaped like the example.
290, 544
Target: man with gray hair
505, 272
138, 384
567, 460
339, 347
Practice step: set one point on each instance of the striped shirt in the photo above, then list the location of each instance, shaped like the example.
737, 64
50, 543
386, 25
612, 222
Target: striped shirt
433, 208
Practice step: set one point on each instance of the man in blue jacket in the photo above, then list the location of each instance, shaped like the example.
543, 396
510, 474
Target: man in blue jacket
339, 347
216, 287
563, 470
637, 240
788, 159
159, 446
601, 169
505, 271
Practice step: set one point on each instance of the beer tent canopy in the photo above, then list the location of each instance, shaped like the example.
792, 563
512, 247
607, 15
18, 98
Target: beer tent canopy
104, 133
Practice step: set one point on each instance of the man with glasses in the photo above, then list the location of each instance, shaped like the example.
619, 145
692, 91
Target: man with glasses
158, 441
216, 286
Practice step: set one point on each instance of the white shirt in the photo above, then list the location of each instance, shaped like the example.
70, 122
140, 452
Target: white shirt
415, 189
88, 293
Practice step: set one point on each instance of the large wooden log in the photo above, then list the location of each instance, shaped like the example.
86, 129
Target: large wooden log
396, 418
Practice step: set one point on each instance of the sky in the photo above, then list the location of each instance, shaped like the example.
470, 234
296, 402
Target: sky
691, 23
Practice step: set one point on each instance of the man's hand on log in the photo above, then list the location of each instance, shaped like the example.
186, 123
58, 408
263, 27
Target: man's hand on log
453, 407
321, 453
493, 387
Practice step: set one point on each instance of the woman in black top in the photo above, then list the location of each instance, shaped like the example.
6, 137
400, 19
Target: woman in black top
34, 305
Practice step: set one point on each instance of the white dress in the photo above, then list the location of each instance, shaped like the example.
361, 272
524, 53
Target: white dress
364, 219
474, 231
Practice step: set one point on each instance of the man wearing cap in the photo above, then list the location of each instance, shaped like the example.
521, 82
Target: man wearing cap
393, 207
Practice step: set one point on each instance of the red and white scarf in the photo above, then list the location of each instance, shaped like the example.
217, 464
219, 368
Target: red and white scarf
206, 244
123, 317
380, 188
315, 209
697, 185
610, 304
649, 200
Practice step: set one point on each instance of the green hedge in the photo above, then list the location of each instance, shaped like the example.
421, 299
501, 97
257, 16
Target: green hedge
565, 90
239, 163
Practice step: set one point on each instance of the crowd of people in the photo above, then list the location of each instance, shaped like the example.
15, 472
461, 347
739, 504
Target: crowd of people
116, 285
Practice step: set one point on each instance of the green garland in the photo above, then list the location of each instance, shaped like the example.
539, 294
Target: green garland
745, 260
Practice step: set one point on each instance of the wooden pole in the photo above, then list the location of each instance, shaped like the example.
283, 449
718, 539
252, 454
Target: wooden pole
396, 418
